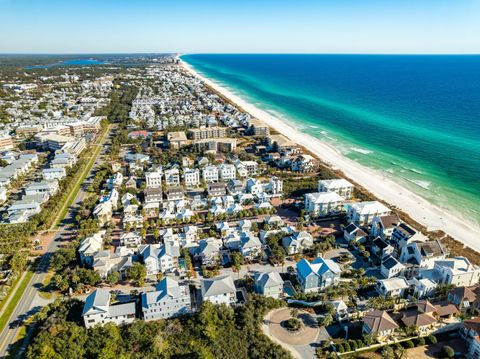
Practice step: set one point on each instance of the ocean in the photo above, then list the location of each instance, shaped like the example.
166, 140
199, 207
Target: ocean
415, 118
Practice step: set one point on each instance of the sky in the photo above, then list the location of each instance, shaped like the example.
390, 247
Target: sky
242, 26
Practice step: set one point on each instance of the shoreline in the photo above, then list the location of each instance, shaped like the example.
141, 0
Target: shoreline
419, 209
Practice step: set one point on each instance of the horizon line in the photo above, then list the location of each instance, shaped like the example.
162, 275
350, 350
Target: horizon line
245, 53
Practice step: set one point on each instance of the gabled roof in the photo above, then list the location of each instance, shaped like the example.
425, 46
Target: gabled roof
390, 262
97, 302
379, 321
417, 319
267, 280
463, 293
218, 285
425, 306
445, 308
389, 221
318, 266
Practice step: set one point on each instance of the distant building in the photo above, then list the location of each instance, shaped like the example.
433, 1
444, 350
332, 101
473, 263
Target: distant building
207, 132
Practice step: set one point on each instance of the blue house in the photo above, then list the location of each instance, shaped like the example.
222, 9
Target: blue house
318, 274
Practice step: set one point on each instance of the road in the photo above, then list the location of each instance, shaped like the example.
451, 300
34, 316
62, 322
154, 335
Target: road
25, 305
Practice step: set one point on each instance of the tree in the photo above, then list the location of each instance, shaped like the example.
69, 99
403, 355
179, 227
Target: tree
237, 261
19, 262
137, 272
113, 278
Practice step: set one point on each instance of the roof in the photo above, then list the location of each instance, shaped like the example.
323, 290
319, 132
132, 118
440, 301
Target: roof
394, 283
318, 266
267, 280
380, 243
370, 207
217, 286
431, 248
389, 221
417, 319
324, 197
116, 310
390, 262
379, 321
463, 293
425, 306
97, 302
473, 324
444, 308
168, 288
336, 183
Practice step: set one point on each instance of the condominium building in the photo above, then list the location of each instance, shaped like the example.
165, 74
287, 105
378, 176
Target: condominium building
207, 132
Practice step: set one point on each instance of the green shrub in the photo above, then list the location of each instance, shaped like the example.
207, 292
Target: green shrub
353, 344
432, 339
340, 348
448, 351
347, 347
360, 343
408, 344
420, 342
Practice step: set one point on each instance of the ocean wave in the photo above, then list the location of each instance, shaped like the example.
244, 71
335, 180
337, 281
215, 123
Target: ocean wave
361, 150
323, 132
420, 183
414, 170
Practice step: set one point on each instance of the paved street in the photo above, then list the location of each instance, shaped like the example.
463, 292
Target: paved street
27, 304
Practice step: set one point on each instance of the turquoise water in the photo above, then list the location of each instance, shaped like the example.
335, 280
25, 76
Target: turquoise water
415, 118
74, 62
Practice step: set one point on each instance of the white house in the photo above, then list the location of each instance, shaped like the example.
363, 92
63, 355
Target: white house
323, 203
391, 267
131, 239
362, 213
340, 186
154, 178
297, 242
392, 287
210, 174
191, 177
227, 171
275, 186
49, 174
219, 290
89, 246
423, 254
383, 226
98, 310
172, 177
457, 271
49, 187
170, 299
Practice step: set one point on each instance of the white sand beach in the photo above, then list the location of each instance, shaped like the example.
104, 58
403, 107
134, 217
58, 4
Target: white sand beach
419, 209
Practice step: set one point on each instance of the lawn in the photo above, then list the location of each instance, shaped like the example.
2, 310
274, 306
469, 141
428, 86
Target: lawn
16, 297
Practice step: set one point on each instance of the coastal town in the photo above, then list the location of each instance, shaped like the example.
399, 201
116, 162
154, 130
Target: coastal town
138, 202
